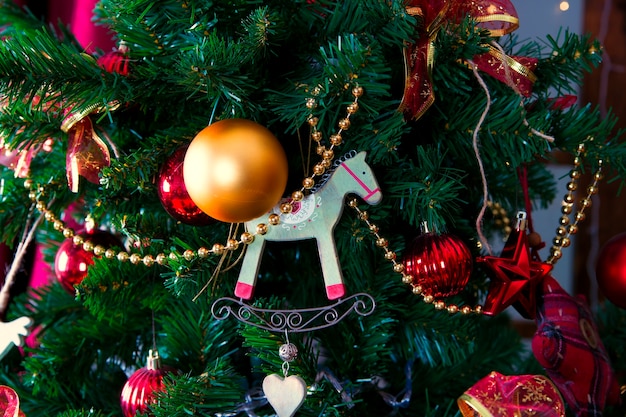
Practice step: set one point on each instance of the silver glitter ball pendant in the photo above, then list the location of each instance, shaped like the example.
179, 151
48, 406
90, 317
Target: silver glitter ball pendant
288, 352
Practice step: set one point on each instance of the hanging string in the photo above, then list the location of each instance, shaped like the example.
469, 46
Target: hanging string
285, 365
22, 247
522, 173
154, 345
218, 269
483, 177
306, 161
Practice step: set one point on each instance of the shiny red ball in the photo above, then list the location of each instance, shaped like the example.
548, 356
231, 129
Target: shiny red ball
72, 261
440, 263
173, 192
611, 270
115, 61
141, 388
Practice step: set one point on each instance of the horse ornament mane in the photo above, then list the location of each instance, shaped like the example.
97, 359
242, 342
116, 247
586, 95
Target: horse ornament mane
314, 217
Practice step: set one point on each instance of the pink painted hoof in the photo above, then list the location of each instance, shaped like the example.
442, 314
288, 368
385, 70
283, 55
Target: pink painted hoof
243, 290
335, 291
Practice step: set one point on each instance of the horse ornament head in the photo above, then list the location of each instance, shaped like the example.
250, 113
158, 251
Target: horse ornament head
353, 175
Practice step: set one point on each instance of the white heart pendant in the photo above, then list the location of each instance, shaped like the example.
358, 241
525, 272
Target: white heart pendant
284, 395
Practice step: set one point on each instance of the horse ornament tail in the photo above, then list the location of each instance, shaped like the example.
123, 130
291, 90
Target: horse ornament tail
314, 217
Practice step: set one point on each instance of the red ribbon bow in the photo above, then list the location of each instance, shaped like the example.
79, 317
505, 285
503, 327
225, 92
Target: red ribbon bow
19, 159
87, 153
499, 17
518, 395
9, 403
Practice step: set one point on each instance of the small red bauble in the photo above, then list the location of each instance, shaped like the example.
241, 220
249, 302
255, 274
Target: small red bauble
611, 270
71, 261
440, 263
173, 192
116, 61
140, 390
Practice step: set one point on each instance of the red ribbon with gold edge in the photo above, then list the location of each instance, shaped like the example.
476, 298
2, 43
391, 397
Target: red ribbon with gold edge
19, 159
9, 402
498, 395
87, 153
499, 17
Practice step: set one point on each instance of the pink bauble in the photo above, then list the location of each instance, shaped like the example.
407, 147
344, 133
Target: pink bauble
72, 261
173, 192
140, 389
611, 270
440, 263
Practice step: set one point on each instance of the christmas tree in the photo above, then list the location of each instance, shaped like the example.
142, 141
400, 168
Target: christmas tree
405, 136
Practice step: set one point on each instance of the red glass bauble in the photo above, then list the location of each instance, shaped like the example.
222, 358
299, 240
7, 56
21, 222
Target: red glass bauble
440, 263
116, 61
173, 192
611, 270
72, 261
140, 390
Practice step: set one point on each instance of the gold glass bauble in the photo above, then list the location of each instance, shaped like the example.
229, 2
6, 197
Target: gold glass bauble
235, 170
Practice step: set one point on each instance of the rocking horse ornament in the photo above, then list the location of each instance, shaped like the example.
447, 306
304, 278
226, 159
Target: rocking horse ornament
315, 217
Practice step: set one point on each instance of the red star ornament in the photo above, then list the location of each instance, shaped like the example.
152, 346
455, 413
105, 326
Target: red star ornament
514, 276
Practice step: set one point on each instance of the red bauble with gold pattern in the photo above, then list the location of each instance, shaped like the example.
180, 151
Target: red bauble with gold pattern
72, 261
141, 388
611, 270
173, 192
440, 263
116, 61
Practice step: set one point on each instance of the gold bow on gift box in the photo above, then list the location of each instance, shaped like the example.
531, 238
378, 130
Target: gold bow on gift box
497, 16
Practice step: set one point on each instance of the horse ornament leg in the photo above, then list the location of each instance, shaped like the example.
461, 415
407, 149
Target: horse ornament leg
250, 268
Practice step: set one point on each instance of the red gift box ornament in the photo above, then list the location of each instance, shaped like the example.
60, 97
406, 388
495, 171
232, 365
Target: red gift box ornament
497, 395
499, 17
568, 346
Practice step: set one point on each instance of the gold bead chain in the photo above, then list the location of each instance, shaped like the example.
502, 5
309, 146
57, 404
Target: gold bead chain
246, 238
398, 267
565, 230
501, 217
562, 239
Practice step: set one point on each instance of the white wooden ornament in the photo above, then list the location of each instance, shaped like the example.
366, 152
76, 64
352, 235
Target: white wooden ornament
314, 217
285, 395
12, 332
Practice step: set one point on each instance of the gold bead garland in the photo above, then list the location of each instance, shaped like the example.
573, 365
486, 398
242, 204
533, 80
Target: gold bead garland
501, 217
562, 239
246, 238
398, 267
566, 228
